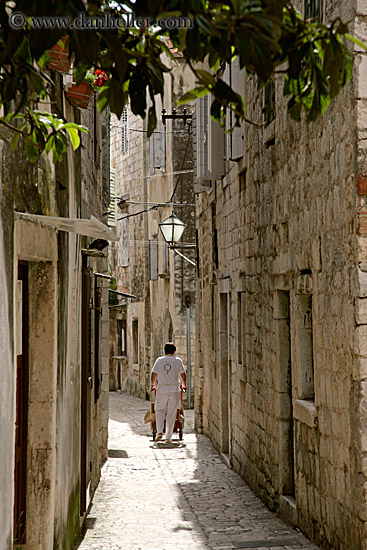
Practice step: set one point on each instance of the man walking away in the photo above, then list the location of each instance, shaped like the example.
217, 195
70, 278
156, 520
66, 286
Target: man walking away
167, 371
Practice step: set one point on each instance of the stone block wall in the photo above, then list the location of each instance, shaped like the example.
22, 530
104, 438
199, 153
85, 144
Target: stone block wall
290, 240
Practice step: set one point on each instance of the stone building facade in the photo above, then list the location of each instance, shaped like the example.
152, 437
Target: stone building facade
281, 306
54, 335
153, 179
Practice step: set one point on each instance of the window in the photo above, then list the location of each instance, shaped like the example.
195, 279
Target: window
215, 257
214, 324
269, 102
121, 337
241, 329
124, 132
165, 258
135, 331
242, 180
314, 10
112, 207
307, 390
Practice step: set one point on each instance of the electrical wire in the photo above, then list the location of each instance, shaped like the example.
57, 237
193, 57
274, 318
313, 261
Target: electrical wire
179, 132
176, 204
170, 201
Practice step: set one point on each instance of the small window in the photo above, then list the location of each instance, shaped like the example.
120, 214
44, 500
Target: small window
241, 329
215, 256
165, 258
135, 331
214, 323
121, 337
269, 102
307, 390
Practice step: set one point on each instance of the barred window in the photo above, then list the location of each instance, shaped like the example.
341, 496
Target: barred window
313, 10
125, 136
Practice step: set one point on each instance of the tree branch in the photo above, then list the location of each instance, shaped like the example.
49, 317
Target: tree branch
15, 129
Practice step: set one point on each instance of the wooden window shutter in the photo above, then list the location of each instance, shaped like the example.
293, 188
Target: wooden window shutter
238, 134
210, 142
153, 260
158, 149
112, 207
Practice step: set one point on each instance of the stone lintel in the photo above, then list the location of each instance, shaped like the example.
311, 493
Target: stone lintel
283, 263
305, 411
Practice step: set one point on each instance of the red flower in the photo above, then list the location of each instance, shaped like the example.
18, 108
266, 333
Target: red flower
101, 78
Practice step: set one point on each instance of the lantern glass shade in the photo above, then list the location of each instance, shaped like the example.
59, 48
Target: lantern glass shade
172, 229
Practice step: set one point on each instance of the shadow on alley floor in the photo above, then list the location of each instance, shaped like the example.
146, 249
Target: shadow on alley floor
174, 496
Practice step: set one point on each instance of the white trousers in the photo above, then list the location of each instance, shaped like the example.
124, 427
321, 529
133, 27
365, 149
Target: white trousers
167, 402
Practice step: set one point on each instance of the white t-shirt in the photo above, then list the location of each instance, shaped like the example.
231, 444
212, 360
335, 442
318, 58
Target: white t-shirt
168, 369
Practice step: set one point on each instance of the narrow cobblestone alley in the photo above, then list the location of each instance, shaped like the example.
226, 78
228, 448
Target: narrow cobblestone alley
174, 496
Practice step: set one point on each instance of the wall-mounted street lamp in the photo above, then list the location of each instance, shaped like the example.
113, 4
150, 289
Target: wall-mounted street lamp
172, 229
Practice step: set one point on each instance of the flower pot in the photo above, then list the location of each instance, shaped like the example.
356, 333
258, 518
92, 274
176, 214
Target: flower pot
59, 57
79, 95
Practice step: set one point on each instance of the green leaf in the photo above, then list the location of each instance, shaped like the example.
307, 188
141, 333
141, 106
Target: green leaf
193, 42
206, 77
31, 151
356, 41
14, 141
74, 137
49, 144
152, 120
75, 126
215, 110
193, 94
102, 99
204, 25
116, 99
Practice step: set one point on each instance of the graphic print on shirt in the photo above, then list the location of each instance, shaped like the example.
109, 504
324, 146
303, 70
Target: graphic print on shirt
167, 367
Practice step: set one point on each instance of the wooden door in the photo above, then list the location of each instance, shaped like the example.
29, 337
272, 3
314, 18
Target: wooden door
86, 385
22, 390
97, 341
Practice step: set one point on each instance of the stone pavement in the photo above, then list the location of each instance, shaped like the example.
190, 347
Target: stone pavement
175, 496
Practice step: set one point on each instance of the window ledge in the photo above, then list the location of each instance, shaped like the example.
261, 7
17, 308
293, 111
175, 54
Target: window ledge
306, 412
269, 132
242, 371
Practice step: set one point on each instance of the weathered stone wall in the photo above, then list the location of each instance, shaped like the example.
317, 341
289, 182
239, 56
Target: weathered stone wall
54, 271
287, 234
133, 277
